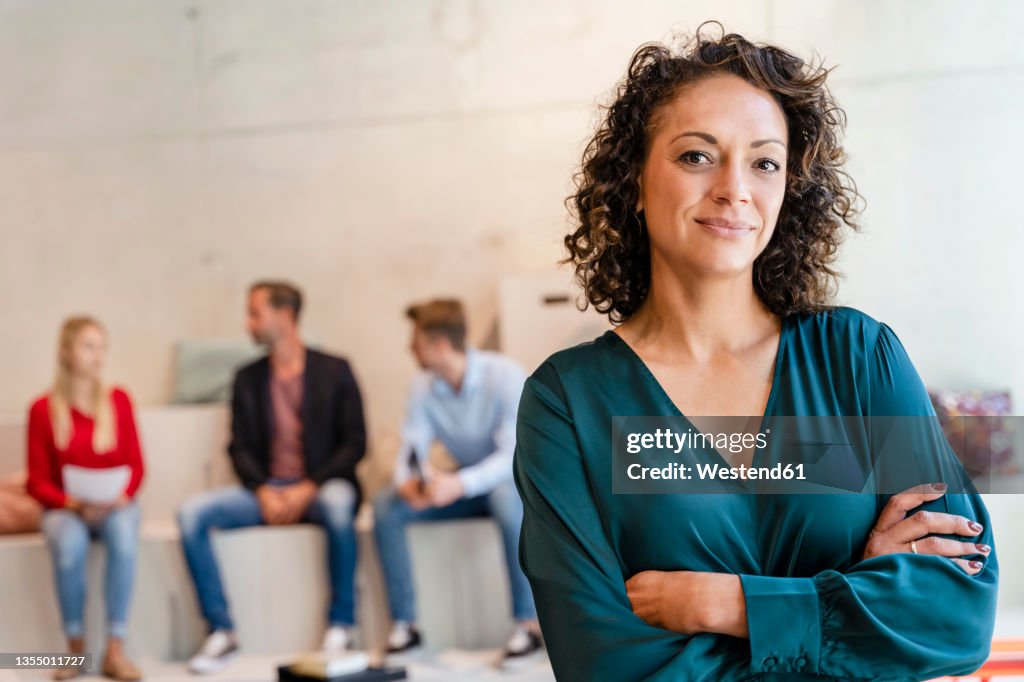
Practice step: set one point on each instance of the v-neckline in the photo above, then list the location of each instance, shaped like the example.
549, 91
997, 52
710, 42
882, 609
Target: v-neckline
772, 391
83, 415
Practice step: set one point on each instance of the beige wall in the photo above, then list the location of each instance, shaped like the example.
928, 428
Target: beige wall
155, 157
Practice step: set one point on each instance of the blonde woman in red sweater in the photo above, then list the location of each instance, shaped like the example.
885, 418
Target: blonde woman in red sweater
79, 427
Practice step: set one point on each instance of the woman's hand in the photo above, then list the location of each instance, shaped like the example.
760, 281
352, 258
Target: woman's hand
894, 531
689, 601
93, 513
90, 512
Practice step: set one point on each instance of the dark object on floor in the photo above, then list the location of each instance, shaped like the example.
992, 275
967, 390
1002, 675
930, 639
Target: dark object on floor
284, 674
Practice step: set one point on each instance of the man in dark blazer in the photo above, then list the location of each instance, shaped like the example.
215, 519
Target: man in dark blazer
297, 434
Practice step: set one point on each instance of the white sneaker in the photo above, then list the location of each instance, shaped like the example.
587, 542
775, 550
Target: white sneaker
523, 649
404, 638
337, 640
219, 649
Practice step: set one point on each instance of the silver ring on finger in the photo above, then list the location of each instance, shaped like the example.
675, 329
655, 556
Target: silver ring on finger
913, 546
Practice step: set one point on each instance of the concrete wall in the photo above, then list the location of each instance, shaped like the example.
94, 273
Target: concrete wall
155, 157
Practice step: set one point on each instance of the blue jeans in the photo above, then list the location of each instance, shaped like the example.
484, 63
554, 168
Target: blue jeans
392, 513
236, 507
68, 536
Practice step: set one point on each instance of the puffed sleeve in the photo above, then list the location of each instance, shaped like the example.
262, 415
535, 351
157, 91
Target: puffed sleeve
578, 584
898, 616
43, 470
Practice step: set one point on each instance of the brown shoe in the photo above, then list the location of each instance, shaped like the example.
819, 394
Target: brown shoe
67, 672
76, 647
120, 668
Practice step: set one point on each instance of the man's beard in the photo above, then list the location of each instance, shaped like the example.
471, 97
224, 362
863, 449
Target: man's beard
262, 340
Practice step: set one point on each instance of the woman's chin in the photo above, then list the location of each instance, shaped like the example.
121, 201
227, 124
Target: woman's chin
720, 266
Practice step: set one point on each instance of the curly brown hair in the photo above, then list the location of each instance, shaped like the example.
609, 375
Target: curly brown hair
609, 247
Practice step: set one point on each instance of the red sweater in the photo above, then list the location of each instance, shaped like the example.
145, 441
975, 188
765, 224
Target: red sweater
45, 482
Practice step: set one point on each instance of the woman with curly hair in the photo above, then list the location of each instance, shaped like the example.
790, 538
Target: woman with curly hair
709, 208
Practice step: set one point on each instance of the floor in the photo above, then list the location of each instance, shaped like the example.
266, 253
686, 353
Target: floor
452, 665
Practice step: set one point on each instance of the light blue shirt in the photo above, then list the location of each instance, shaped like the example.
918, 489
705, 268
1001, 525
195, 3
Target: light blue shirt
477, 424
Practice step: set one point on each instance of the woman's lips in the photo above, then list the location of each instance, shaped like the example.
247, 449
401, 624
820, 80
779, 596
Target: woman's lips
726, 228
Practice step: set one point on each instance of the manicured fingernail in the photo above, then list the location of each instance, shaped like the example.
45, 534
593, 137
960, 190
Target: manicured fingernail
939, 487
975, 526
984, 549
975, 564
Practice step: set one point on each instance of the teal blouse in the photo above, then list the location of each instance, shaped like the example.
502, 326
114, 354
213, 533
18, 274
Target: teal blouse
814, 610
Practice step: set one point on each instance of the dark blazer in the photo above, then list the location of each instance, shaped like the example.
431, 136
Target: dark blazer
333, 430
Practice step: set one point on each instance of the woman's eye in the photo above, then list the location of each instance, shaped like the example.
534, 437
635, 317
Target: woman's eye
695, 158
769, 166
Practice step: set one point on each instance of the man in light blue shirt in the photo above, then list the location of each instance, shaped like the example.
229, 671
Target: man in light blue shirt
467, 399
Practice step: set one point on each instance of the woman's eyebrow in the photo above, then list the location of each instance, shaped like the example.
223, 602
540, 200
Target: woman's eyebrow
710, 139
758, 143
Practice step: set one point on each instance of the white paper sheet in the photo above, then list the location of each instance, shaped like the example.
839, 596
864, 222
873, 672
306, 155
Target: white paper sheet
95, 485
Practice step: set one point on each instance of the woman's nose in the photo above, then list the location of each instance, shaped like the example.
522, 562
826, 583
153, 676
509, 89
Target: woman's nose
731, 184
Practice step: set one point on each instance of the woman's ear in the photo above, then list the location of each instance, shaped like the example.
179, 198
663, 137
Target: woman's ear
639, 194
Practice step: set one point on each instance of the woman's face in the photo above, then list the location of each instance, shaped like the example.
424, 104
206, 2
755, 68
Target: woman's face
714, 178
87, 353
